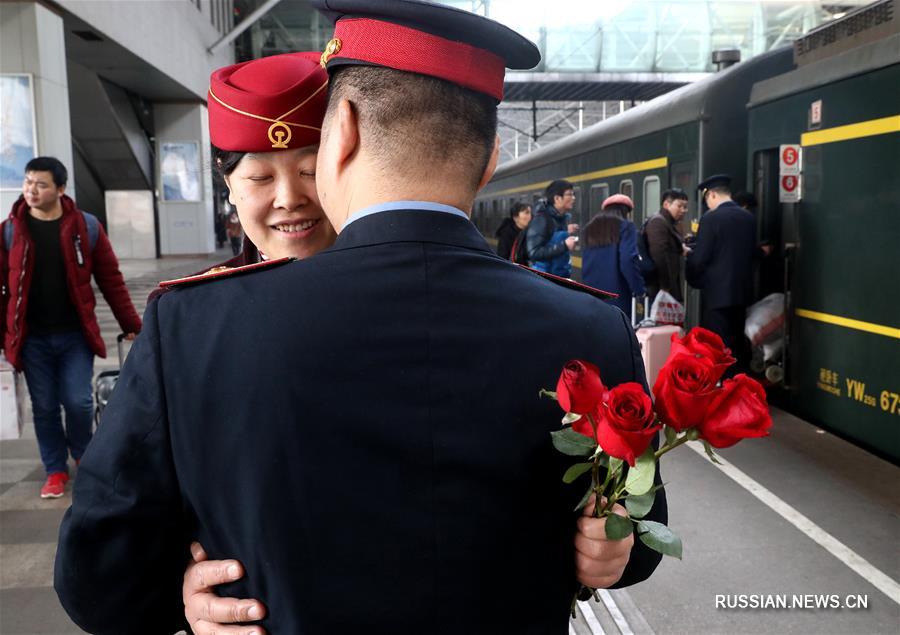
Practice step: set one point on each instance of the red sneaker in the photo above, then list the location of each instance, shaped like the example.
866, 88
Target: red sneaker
55, 486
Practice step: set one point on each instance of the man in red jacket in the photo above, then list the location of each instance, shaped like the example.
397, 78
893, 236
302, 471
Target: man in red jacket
48, 251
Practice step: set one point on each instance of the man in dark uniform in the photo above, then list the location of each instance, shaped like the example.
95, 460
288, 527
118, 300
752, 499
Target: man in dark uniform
721, 264
376, 468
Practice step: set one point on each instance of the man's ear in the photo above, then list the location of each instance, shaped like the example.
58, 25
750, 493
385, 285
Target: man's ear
491, 164
61, 189
345, 130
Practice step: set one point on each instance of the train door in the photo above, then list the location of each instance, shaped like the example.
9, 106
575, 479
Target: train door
599, 192
683, 175
775, 226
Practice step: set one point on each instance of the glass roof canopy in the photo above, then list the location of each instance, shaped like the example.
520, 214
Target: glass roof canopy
652, 36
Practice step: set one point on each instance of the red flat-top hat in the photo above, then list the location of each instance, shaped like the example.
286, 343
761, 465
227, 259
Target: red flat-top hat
618, 199
425, 38
269, 104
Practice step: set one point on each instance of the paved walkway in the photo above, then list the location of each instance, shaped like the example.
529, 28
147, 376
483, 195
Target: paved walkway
28, 524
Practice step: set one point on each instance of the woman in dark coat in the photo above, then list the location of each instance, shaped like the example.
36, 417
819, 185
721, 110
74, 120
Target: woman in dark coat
511, 234
610, 260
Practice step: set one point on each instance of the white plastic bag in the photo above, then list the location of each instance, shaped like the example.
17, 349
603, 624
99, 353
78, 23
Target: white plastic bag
765, 320
10, 402
666, 309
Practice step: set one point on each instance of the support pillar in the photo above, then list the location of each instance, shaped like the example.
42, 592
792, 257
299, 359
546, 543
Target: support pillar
33, 65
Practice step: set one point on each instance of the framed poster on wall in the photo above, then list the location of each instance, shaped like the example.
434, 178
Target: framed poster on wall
18, 132
179, 170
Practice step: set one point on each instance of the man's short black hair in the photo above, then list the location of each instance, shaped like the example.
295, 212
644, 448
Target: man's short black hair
674, 194
417, 124
517, 208
557, 188
745, 199
52, 165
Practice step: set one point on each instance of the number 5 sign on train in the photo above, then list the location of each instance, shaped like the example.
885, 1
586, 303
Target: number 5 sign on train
789, 173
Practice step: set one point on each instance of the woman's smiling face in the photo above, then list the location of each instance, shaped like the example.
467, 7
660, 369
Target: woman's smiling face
276, 199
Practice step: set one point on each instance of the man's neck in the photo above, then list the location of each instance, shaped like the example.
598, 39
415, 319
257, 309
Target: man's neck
357, 200
47, 215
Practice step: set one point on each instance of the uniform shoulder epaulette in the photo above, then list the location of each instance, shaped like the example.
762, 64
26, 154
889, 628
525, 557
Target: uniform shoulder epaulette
571, 284
217, 273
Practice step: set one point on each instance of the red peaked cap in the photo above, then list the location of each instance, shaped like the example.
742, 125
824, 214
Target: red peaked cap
269, 104
425, 38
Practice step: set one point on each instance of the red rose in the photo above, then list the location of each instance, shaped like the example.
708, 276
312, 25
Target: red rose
738, 411
585, 427
684, 389
579, 388
625, 422
704, 343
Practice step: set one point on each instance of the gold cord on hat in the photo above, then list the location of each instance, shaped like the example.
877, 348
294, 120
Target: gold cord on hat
279, 132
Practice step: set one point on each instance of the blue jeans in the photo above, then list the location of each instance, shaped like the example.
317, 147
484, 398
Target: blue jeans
58, 369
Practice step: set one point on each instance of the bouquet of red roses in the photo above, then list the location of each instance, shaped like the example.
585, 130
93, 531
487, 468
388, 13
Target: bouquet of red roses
609, 427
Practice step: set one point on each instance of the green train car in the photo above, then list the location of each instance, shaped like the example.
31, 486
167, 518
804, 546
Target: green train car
840, 244
836, 250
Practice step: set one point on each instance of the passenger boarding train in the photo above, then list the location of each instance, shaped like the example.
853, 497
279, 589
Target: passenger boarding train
836, 95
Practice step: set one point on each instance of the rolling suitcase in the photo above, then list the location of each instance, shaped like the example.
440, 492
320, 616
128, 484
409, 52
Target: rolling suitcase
106, 381
655, 341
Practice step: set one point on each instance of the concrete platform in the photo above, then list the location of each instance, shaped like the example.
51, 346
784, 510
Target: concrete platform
735, 544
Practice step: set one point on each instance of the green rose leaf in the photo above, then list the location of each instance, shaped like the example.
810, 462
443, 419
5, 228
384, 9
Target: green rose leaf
585, 498
710, 453
617, 527
659, 538
639, 506
640, 477
671, 435
572, 443
547, 393
615, 465
575, 471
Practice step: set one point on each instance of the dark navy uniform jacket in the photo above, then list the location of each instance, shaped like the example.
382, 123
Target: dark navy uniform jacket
722, 260
361, 429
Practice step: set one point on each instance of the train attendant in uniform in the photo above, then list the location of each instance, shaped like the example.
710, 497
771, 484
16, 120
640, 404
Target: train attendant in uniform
376, 453
610, 252
721, 266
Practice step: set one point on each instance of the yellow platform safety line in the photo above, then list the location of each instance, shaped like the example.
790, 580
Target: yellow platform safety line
640, 166
859, 130
859, 325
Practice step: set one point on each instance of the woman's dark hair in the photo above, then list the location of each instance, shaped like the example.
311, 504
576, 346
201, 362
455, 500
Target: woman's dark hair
603, 230
226, 160
517, 208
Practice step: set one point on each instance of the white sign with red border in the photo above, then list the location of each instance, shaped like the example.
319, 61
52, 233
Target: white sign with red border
789, 188
790, 159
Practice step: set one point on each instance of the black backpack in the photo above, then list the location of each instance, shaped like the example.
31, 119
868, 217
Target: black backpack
645, 264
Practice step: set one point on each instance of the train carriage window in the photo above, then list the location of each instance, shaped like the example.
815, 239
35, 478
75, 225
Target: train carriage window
579, 209
599, 193
626, 187
651, 197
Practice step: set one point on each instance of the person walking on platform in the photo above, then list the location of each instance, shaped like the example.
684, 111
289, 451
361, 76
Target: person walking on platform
721, 265
357, 369
511, 234
665, 245
552, 234
235, 233
610, 252
49, 249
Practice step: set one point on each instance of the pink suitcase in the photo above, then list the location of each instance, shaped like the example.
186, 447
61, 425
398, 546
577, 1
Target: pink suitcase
656, 341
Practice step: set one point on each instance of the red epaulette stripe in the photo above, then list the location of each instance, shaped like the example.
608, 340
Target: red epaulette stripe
571, 284
224, 273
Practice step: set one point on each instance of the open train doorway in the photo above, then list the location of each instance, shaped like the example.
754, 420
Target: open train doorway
773, 274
